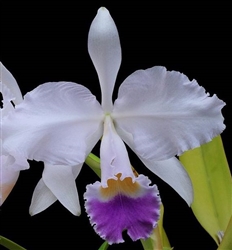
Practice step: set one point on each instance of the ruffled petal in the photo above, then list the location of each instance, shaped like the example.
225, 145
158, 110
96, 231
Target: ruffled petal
8, 177
42, 198
113, 154
56, 123
123, 205
105, 52
171, 171
7, 79
165, 113
60, 180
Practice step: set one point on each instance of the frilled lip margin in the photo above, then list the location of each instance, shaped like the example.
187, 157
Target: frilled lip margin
123, 205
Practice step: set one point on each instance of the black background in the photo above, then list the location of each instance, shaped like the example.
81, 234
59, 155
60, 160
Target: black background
44, 41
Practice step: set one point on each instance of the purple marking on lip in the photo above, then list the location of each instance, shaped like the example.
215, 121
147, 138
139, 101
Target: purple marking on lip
136, 215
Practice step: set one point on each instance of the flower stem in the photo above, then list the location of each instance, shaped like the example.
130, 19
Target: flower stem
94, 163
104, 246
10, 244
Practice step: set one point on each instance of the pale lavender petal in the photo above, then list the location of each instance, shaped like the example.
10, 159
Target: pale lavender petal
46, 125
8, 177
171, 170
113, 154
105, 51
7, 105
60, 180
10, 166
173, 173
42, 198
166, 113
9, 81
134, 208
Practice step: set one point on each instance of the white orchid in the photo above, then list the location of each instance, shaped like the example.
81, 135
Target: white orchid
158, 113
9, 166
45, 192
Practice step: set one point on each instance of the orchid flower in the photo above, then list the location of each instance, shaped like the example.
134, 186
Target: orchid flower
45, 192
158, 113
9, 167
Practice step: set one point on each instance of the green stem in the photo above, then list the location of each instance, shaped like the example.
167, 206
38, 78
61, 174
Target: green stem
104, 246
94, 163
10, 244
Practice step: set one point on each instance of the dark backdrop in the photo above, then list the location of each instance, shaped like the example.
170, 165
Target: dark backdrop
45, 41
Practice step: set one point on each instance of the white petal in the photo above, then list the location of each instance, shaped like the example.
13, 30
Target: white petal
61, 181
113, 154
171, 171
57, 123
7, 98
105, 52
9, 166
166, 113
8, 177
7, 79
16, 162
42, 198
9, 172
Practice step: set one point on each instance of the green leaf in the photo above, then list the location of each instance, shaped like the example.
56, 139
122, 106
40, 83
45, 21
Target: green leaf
158, 240
226, 243
104, 246
209, 171
10, 244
